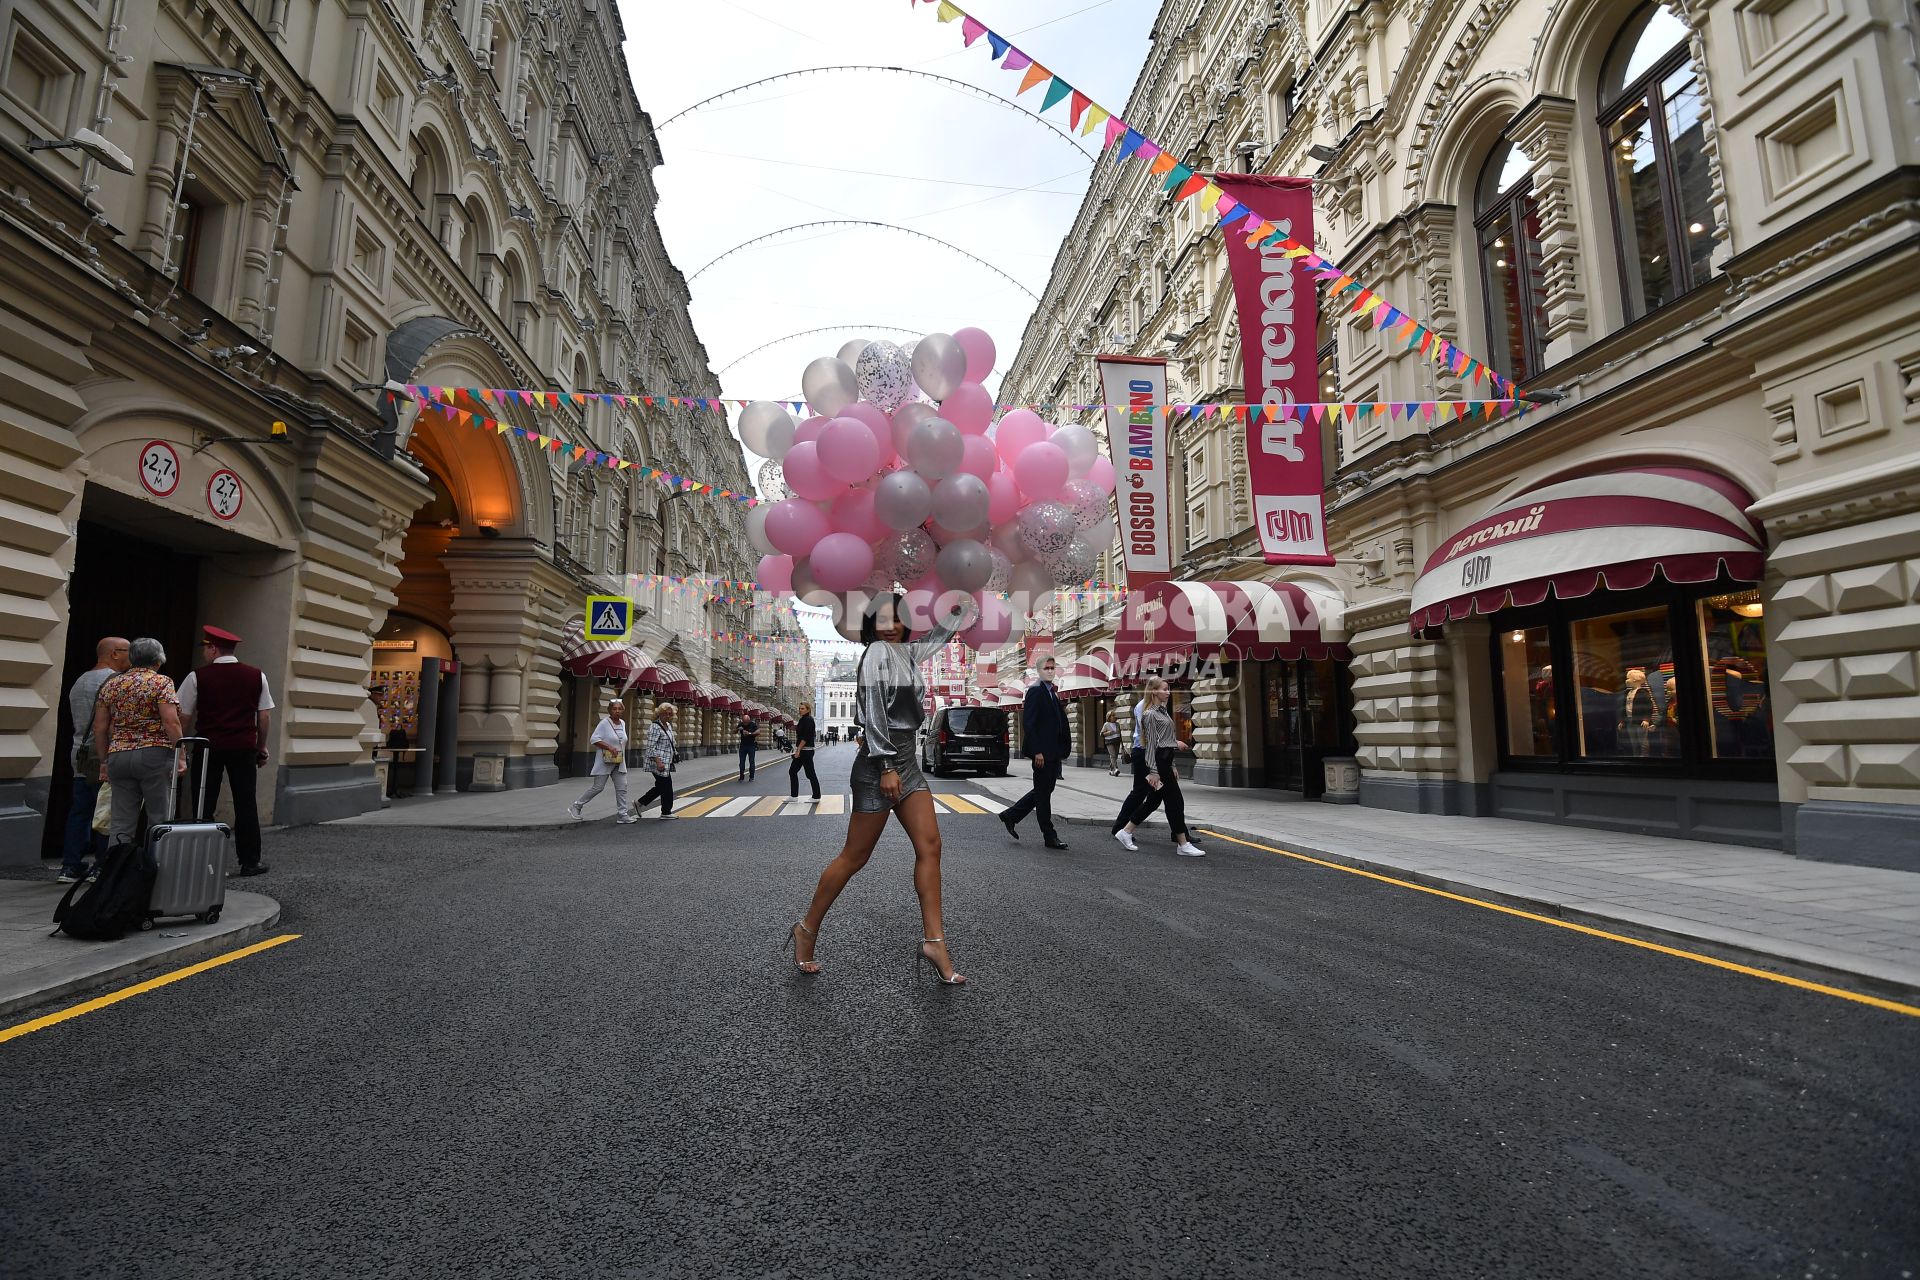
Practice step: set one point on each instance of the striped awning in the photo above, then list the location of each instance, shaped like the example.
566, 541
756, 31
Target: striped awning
1569, 539
1089, 675
1173, 621
674, 683
595, 659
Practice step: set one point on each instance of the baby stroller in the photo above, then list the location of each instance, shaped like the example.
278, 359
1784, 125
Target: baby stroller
780, 739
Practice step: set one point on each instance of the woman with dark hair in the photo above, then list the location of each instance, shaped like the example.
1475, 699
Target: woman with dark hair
803, 742
888, 709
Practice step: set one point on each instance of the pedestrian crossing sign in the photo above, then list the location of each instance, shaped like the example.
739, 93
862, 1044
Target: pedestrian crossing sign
608, 617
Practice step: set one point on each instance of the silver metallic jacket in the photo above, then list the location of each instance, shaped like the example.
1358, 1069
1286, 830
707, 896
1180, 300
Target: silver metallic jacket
890, 702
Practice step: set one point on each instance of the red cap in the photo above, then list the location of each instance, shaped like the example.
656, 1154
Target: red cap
224, 637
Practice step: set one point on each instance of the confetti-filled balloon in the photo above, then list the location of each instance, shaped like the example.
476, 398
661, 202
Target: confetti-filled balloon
1002, 570
883, 376
1047, 527
1075, 562
773, 485
908, 555
1084, 499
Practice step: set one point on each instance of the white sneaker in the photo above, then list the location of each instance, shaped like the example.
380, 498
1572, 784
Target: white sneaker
573, 811
1188, 849
669, 817
624, 819
1126, 841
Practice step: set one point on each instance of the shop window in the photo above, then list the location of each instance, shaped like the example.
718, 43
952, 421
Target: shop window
1511, 273
1733, 655
1668, 679
1617, 661
1526, 687
1653, 120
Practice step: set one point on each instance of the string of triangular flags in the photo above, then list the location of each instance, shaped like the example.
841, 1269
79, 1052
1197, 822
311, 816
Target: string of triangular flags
583, 453
1352, 410
1185, 182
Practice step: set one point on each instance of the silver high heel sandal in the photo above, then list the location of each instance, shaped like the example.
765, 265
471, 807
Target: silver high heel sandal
921, 957
792, 943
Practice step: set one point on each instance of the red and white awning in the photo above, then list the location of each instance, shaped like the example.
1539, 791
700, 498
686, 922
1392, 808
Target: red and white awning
674, 683
1090, 675
1569, 539
1170, 622
596, 659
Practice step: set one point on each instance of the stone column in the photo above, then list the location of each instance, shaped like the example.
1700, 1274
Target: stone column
1403, 701
1544, 130
430, 721
1216, 723
445, 778
508, 605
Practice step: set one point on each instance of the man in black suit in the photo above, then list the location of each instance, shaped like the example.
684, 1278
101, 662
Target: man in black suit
1045, 738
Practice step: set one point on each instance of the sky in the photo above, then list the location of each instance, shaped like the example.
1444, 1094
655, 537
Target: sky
868, 146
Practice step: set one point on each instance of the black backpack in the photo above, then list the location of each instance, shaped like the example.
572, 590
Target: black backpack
115, 904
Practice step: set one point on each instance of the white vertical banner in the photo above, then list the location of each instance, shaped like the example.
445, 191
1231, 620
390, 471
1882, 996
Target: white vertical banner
1134, 389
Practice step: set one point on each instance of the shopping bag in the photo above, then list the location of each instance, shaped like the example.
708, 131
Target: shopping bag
103, 808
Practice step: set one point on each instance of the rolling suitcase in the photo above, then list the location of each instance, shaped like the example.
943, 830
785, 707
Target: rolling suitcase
190, 858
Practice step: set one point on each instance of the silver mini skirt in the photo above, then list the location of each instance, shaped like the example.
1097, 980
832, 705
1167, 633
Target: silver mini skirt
865, 784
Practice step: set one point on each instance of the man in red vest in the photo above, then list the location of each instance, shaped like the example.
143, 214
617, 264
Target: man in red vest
227, 703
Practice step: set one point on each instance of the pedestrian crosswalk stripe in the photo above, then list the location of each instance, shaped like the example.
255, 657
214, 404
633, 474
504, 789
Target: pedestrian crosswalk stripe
830, 805
939, 807
833, 803
734, 808
767, 807
958, 805
702, 807
988, 803
794, 808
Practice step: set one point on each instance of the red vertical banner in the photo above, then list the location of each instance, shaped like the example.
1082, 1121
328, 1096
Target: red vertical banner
1280, 335
1135, 391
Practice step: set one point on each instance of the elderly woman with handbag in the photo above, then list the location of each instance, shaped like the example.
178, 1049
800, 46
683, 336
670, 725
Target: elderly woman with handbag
609, 744
136, 730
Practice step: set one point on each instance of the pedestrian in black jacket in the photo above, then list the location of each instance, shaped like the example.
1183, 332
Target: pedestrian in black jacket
1045, 739
803, 742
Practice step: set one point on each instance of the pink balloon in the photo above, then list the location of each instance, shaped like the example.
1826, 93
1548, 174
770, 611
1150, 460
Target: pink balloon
1003, 497
995, 625
775, 574
808, 477
969, 408
853, 513
795, 526
1041, 470
810, 430
841, 561
848, 451
1101, 474
980, 353
877, 422
977, 457
1017, 430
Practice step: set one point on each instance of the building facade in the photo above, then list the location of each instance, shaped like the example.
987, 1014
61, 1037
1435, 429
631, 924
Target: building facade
325, 198
1690, 226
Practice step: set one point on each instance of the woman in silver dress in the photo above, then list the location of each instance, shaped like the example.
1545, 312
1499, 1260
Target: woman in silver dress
888, 709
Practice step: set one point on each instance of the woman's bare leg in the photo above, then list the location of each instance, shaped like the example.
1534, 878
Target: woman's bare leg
863, 832
923, 828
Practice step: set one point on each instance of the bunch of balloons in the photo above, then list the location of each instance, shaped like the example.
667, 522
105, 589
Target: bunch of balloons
881, 490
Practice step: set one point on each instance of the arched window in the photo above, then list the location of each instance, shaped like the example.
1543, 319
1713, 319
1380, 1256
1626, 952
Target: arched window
1653, 119
1508, 223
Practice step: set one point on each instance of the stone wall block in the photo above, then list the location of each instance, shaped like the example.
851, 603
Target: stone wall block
20, 709
1802, 597
1873, 587
1819, 765
1881, 630
1875, 719
1886, 764
22, 618
1813, 679
1877, 675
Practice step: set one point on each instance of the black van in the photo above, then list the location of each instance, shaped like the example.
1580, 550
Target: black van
966, 738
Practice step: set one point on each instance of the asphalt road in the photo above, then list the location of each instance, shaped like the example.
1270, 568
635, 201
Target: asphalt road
575, 1053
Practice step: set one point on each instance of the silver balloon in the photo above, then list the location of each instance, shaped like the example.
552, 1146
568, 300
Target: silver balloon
935, 448
1101, 532
757, 529
910, 415
1084, 499
965, 565
829, 386
902, 500
1012, 543
960, 501
881, 376
939, 365
850, 351
756, 420
1079, 445
773, 483
1032, 586
1047, 527
909, 554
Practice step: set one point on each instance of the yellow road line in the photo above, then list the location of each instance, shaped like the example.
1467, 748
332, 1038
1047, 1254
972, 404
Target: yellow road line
700, 808
958, 805
767, 807
101, 1002
1892, 1006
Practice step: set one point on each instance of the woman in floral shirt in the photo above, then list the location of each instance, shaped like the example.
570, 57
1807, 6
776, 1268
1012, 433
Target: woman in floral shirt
136, 724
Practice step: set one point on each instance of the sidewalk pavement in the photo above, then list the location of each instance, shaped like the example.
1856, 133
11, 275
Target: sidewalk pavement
1863, 922
536, 807
37, 969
